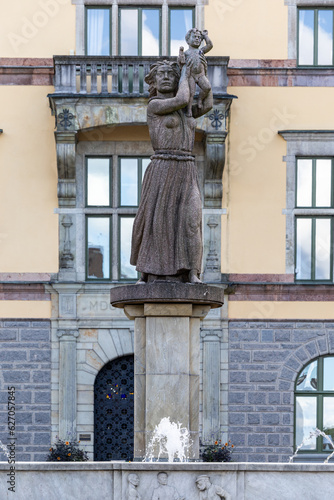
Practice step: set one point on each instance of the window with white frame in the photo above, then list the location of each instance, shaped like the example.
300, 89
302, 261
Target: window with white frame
98, 31
310, 32
315, 36
138, 30
314, 191
110, 211
309, 208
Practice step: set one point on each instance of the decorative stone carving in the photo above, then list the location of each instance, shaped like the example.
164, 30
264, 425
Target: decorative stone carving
64, 119
66, 145
133, 481
209, 491
212, 260
68, 334
199, 65
214, 167
66, 257
167, 231
67, 305
211, 335
164, 491
216, 118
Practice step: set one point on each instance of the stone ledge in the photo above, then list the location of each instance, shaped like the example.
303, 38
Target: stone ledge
162, 292
157, 466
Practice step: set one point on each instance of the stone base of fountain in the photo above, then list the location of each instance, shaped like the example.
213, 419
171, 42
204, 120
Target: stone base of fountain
167, 319
97, 480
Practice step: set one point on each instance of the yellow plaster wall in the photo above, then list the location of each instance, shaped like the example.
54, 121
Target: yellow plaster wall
25, 309
248, 29
253, 236
28, 181
266, 310
37, 28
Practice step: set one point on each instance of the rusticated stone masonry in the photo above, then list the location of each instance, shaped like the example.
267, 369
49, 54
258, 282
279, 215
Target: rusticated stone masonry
25, 363
264, 360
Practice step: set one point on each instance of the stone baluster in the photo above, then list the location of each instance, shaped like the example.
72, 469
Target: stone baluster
104, 78
83, 78
93, 78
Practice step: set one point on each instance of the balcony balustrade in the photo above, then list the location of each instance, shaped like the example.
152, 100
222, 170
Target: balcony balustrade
120, 76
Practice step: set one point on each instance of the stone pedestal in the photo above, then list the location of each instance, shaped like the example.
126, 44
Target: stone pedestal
167, 347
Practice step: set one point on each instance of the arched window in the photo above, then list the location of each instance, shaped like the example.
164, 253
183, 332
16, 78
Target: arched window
314, 404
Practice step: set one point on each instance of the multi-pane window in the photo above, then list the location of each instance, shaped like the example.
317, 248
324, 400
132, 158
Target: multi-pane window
315, 37
112, 198
314, 230
314, 404
98, 31
139, 31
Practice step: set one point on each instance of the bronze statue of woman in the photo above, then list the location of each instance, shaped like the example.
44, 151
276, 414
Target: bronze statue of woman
167, 231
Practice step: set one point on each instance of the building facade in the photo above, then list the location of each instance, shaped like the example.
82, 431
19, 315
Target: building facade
74, 146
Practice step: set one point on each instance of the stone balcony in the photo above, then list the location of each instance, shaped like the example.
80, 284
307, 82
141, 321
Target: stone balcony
120, 76
93, 93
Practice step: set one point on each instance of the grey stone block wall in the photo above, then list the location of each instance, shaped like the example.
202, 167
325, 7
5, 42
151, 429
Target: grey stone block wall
25, 363
264, 360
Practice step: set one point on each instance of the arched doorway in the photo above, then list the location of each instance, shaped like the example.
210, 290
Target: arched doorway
114, 410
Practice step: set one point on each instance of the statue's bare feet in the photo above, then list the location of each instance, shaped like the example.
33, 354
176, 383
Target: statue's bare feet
193, 277
143, 279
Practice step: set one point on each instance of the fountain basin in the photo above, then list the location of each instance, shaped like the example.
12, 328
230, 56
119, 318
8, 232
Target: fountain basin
96, 480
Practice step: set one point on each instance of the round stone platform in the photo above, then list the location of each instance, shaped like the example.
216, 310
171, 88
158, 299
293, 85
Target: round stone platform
171, 292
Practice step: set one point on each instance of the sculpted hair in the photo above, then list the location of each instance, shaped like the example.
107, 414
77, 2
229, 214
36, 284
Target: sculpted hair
150, 77
187, 37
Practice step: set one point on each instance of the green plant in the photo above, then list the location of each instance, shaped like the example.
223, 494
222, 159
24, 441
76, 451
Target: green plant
66, 451
217, 452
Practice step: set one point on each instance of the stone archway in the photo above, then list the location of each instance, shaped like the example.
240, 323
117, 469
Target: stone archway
318, 346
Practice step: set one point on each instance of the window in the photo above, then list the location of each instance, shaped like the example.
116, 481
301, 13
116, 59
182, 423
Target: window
180, 22
315, 37
309, 176
98, 31
314, 231
139, 31
314, 404
142, 31
112, 198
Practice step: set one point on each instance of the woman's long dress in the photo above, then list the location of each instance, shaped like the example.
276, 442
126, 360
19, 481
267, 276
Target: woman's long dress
167, 230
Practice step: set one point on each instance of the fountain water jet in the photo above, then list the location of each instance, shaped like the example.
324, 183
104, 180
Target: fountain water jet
315, 433
172, 439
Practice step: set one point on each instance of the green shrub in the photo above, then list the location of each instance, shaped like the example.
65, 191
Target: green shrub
217, 452
66, 451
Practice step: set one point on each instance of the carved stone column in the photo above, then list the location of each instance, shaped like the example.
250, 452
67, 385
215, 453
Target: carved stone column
67, 332
67, 383
66, 150
211, 384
